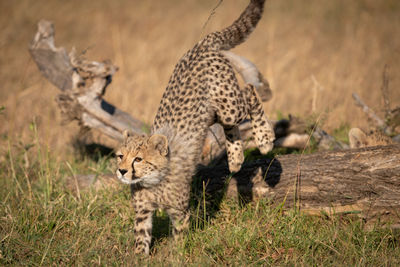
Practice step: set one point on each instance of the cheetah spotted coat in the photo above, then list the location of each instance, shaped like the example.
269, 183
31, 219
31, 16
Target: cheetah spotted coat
202, 90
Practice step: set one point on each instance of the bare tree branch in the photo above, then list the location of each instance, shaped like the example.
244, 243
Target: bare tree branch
370, 113
83, 84
385, 91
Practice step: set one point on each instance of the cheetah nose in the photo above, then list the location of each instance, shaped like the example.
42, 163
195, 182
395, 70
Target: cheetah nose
123, 171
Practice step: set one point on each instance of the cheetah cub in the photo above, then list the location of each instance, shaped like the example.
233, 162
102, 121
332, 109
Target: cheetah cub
202, 90
359, 138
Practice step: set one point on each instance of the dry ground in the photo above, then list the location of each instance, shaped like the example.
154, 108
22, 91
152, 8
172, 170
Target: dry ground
343, 44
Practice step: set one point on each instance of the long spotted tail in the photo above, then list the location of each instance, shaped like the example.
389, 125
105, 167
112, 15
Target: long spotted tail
239, 30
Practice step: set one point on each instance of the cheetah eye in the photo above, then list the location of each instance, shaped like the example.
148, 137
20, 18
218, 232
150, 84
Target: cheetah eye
138, 159
120, 156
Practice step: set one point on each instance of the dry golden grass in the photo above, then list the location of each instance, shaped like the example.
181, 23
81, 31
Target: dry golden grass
343, 44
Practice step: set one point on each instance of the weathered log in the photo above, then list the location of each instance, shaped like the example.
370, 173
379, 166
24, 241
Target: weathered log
362, 181
83, 84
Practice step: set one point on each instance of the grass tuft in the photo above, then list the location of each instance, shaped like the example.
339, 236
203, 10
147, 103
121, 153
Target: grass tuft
43, 223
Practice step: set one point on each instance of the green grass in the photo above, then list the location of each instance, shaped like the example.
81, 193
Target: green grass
43, 223
342, 133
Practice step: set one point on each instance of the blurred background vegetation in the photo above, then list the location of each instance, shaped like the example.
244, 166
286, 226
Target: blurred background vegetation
315, 49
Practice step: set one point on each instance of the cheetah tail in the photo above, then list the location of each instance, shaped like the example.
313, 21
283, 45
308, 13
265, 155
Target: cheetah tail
241, 28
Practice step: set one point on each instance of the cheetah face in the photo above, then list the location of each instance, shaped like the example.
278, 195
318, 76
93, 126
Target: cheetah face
143, 160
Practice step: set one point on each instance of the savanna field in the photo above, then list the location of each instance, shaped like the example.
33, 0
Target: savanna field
314, 53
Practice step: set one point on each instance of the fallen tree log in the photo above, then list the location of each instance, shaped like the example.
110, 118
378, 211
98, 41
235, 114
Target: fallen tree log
363, 181
82, 84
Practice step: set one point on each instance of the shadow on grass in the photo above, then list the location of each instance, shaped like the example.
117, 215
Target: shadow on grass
94, 151
212, 183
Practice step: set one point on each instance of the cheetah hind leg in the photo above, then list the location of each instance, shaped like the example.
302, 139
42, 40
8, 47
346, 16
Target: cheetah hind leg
180, 221
263, 131
234, 148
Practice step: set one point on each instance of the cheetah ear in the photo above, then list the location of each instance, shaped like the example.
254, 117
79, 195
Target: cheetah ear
357, 138
159, 142
126, 133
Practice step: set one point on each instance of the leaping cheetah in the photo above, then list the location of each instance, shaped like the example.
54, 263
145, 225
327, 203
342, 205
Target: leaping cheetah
202, 90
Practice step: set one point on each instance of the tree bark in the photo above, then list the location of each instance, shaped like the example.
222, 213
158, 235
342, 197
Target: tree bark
362, 181
82, 84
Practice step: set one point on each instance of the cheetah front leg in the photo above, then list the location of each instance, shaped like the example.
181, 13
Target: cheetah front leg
234, 148
262, 129
142, 229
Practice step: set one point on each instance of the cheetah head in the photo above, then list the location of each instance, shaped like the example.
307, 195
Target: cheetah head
357, 138
142, 159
